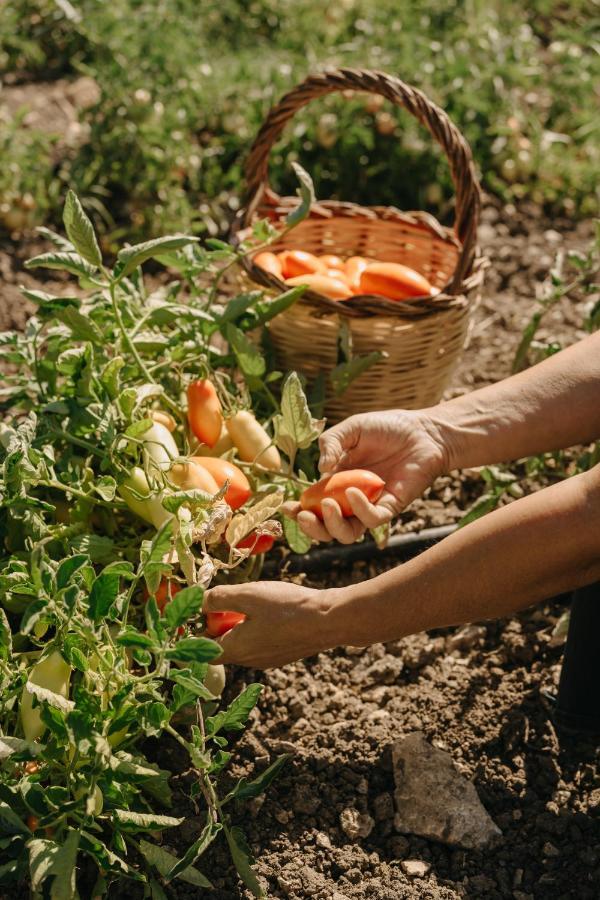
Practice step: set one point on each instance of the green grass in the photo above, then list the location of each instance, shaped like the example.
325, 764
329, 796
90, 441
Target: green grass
185, 85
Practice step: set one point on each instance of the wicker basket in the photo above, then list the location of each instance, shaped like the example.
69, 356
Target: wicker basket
422, 337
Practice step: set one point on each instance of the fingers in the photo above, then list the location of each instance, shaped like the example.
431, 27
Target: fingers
228, 598
291, 508
346, 531
233, 644
369, 514
312, 526
336, 443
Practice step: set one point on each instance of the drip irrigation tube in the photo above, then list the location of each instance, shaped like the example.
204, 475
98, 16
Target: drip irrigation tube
403, 546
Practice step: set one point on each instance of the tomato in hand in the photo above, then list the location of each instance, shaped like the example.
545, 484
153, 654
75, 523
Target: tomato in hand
205, 414
394, 281
219, 623
239, 490
334, 487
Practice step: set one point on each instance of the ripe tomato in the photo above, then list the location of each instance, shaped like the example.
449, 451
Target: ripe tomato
335, 486
354, 267
218, 623
338, 275
164, 593
204, 411
260, 544
394, 281
297, 262
252, 441
269, 263
220, 470
32, 822
333, 288
191, 475
331, 261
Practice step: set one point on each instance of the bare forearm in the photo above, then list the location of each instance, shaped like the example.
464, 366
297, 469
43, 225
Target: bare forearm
528, 551
549, 407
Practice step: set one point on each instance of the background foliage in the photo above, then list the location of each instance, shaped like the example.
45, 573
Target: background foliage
183, 88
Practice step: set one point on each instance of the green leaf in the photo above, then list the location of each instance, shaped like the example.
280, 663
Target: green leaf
98, 547
82, 327
297, 540
10, 820
5, 637
132, 638
249, 357
245, 790
110, 376
520, 360
106, 486
68, 567
295, 428
236, 715
481, 507
166, 862
243, 859
42, 854
65, 262
194, 650
132, 257
185, 604
237, 306
194, 852
80, 230
134, 821
103, 594
345, 373
268, 309
306, 192
192, 685
64, 869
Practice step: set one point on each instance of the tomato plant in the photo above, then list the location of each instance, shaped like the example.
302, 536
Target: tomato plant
111, 529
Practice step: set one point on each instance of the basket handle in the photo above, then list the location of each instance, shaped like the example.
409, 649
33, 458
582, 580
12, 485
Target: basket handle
441, 128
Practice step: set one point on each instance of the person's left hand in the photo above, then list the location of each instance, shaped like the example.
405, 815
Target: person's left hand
284, 622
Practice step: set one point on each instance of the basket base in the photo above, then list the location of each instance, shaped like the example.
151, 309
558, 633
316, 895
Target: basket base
420, 355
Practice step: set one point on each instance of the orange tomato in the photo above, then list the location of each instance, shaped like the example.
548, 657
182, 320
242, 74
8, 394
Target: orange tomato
218, 623
269, 263
220, 470
164, 593
261, 543
204, 411
334, 487
338, 274
354, 267
333, 288
297, 262
394, 281
33, 822
193, 475
331, 261
31, 768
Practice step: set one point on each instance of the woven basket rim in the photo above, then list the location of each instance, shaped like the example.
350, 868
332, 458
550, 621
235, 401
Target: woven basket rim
364, 305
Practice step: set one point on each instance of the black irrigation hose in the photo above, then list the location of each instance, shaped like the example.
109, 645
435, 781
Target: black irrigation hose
401, 545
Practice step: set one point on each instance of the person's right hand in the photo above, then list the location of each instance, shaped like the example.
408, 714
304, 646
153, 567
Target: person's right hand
401, 446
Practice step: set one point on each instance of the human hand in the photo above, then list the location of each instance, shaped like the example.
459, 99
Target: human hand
284, 622
401, 446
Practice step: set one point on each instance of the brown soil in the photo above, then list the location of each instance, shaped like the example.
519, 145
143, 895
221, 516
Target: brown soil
339, 713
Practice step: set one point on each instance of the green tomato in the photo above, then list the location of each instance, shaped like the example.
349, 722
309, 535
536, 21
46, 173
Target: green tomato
53, 674
215, 680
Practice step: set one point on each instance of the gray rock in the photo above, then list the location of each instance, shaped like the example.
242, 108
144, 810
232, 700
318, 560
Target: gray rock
415, 868
434, 800
356, 824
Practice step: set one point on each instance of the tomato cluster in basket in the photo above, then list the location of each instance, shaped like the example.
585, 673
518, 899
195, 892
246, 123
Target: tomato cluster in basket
340, 279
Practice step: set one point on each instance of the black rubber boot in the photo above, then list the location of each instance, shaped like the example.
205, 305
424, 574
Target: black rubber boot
578, 701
